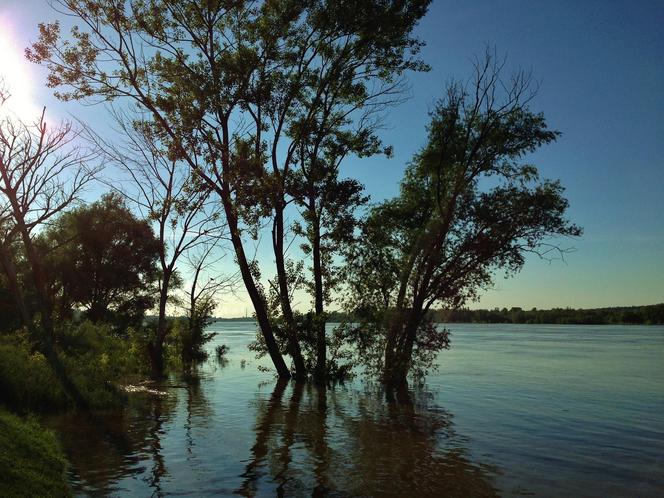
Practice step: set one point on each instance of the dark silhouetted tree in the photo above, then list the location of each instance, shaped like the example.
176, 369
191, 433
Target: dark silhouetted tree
104, 260
467, 207
233, 89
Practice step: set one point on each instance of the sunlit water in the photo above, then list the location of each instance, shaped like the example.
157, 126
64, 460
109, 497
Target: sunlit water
513, 410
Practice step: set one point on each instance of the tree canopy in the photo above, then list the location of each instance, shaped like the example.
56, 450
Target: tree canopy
467, 207
104, 260
246, 94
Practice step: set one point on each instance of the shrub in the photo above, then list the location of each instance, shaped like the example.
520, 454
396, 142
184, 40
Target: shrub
221, 350
26, 380
97, 360
186, 342
31, 460
94, 359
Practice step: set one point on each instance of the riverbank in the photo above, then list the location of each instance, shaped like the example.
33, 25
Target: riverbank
618, 315
31, 461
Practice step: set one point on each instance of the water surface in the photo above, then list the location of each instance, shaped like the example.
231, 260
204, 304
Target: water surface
513, 410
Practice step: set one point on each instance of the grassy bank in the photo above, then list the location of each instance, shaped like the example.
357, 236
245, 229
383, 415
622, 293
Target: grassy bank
31, 460
94, 360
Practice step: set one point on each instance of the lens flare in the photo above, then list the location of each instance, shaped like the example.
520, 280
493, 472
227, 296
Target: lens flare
15, 75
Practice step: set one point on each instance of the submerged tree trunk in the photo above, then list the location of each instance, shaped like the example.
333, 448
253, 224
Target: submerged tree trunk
257, 299
321, 342
284, 295
396, 367
390, 373
399, 346
156, 347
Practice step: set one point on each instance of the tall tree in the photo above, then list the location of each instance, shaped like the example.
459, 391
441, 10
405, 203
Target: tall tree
335, 70
104, 259
468, 206
167, 192
328, 206
42, 173
233, 88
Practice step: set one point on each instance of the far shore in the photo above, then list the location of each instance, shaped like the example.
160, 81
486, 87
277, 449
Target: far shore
618, 315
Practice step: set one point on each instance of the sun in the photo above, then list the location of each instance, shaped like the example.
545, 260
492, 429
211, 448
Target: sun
15, 75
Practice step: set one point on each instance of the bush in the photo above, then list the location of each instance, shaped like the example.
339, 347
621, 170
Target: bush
94, 359
186, 343
31, 460
97, 360
221, 350
26, 379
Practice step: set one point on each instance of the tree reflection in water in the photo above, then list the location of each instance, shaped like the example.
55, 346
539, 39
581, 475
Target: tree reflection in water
109, 447
336, 442
307, 440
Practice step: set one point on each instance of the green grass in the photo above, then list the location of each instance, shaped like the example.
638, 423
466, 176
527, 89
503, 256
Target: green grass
93, 359
31, 460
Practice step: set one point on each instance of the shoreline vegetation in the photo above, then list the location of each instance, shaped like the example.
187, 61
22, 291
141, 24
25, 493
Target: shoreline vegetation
219, 147
615, 315
32, 462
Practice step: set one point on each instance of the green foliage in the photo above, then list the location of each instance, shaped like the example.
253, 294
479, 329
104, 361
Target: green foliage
98, 360
27, 382
93, 357
185, 343
329, 206
31, 460
103, 259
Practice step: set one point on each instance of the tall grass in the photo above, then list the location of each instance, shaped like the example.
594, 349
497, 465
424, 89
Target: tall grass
31, 460
94, 359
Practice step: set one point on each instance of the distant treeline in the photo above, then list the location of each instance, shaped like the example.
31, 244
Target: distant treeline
631, 315
625, 315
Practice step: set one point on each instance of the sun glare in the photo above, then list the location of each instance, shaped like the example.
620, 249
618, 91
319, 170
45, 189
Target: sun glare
15, 76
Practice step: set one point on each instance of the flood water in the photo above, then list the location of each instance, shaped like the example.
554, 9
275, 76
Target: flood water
514, 410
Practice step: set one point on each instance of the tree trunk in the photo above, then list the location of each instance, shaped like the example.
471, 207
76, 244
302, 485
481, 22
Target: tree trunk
396, 368
391, 373
399, 346
157, 345
45, 340
284, 296
257, 299
321, 343
46, 315
401, 339
156, 354
44, 301
12, 278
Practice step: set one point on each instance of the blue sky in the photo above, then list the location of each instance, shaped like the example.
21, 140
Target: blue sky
601, 69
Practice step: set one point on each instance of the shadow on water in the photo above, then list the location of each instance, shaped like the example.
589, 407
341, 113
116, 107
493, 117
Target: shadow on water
308, 440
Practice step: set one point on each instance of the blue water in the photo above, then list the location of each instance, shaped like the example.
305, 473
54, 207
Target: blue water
513, 410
